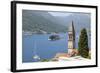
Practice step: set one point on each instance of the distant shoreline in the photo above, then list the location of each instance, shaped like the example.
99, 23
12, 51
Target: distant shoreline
30, 33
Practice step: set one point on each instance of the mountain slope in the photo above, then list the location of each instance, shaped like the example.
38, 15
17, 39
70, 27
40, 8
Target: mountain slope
43, 20
34, 21
80, 21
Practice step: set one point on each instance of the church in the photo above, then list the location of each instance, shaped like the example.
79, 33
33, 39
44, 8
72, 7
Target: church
71, 43
71, 37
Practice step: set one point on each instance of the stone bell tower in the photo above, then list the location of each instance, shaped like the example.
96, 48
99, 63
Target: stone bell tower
71, 38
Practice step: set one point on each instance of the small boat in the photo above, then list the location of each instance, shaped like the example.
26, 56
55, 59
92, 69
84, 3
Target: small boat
35, 56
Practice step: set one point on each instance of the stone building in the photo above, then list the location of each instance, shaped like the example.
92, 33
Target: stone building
71, 45
71, 37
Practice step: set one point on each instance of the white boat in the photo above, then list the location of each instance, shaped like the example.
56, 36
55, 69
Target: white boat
35, 57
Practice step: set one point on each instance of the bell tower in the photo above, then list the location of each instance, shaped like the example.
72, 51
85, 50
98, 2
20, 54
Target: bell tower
71, 37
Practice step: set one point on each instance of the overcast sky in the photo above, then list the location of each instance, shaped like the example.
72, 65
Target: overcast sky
59, 13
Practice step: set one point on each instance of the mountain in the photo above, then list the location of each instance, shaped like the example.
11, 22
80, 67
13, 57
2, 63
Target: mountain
44, 21
80, 21
34, 21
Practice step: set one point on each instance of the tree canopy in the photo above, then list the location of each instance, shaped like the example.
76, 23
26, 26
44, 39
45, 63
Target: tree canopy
83, 44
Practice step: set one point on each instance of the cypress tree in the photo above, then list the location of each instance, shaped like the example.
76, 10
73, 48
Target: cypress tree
83, 44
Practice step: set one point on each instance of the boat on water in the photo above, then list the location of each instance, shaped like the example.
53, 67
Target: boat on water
36, 57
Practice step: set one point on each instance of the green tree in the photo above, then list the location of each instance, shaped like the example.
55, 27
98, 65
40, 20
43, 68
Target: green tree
83, 44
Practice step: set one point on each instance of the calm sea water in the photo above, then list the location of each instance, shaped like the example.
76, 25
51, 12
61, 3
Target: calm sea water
44, 48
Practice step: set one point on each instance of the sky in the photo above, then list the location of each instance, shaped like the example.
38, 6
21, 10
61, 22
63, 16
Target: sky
60, 13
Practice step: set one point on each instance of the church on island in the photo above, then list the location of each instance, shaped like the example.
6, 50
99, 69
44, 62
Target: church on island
71, 44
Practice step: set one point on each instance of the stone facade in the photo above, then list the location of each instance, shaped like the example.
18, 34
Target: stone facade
71, 37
